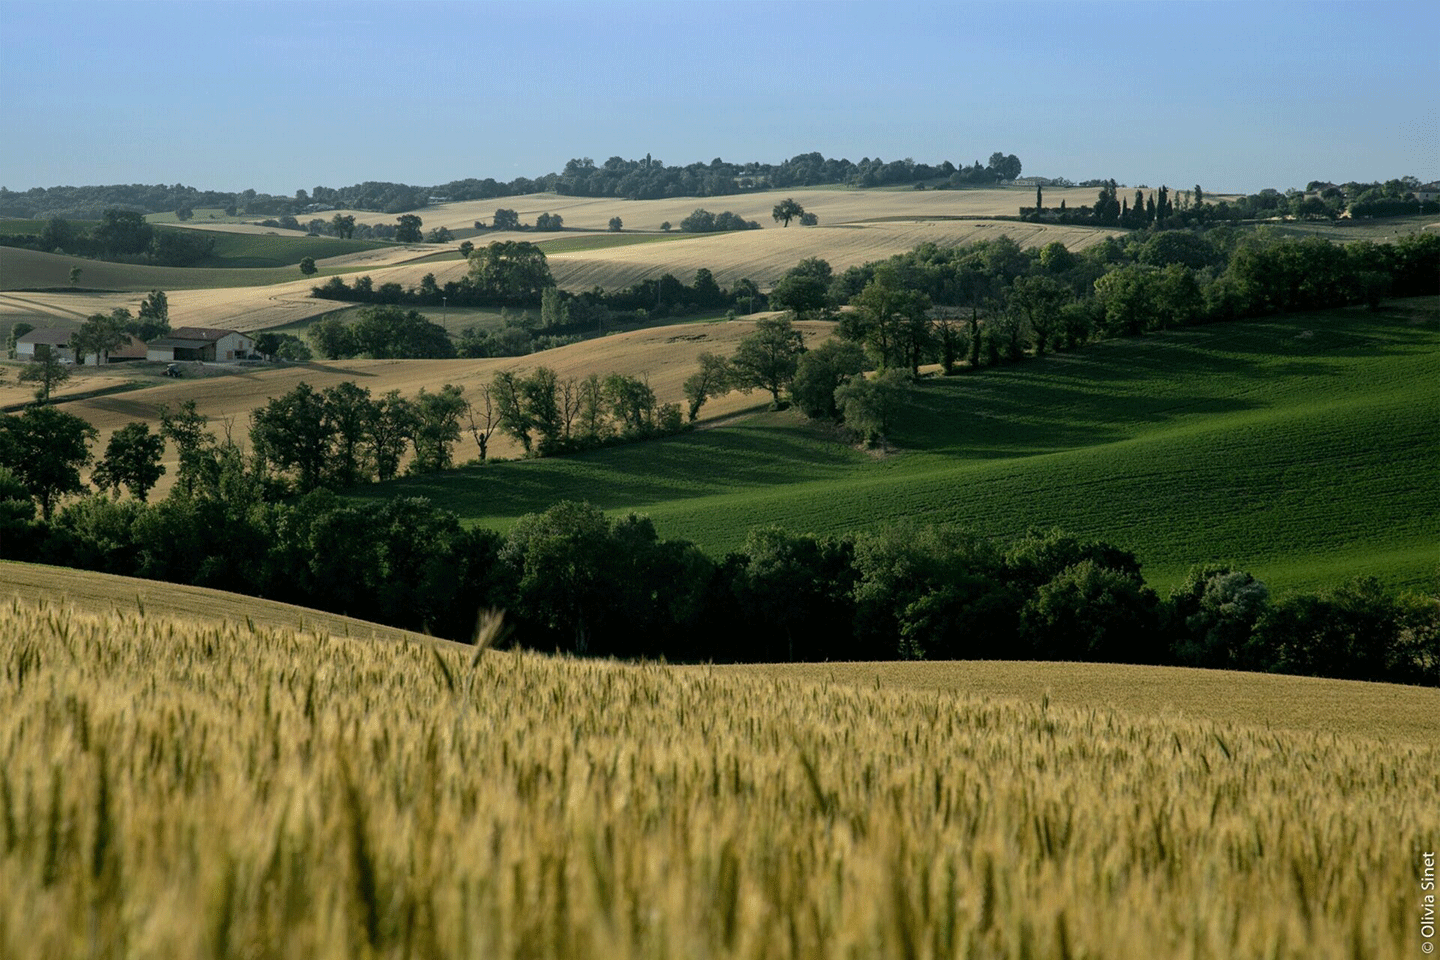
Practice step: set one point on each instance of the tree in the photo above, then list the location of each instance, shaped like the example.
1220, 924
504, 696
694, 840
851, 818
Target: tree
154, 317
184, 213
712, 379
74, 276
632, 403
437, 428
870, 405
343, 225
132, 459
512, 271
785, 211
391, 427
484, 418
46, 370
665, 226
349, 414
767, 358
407, 228
890, 319
466, 248
804, 289
307, 266
99, 334
1092, 613
185, 427
292, 432
439, 235
123, 233
1038, 300
45, 448
808, 219
820, 372
549, 221
616, 224
505, 219
332, 338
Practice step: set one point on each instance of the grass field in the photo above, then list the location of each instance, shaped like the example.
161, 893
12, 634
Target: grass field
182, 786
1302, 448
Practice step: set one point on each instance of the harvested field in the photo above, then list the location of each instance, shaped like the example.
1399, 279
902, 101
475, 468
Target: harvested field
832, 206
664, 356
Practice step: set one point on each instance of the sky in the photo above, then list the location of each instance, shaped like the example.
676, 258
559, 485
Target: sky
278, 95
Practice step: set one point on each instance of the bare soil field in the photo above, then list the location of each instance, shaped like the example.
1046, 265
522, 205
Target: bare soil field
663, 356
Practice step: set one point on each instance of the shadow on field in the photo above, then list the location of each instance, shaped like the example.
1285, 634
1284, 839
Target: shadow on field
699, 464
1110, 391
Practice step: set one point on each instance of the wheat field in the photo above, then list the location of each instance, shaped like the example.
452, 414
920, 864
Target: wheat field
174, 787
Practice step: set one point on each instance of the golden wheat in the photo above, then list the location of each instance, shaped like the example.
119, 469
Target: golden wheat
179, 789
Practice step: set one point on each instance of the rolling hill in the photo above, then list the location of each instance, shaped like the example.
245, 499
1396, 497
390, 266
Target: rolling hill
1302, 448
855, 226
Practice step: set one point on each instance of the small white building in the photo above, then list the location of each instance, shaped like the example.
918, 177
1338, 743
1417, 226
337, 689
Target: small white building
58, 342
201, 343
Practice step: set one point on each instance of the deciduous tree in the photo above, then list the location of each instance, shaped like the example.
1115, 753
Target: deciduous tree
132, 459
785, 211
767, 358
46, 447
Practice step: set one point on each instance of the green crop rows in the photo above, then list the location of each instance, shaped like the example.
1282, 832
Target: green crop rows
1303, 448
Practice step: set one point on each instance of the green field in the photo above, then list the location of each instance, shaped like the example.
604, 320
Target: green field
1303, 448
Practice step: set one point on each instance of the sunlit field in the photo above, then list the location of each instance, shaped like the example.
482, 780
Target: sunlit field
187, 787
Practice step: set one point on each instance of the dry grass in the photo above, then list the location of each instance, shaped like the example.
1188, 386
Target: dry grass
170, 787
664, 356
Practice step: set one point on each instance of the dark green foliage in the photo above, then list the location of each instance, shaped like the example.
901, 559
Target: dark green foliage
1351, 632
932, 592
45, 448
436, 427
793, 593
132, 459
820, 372
407, 228
1094, 613
767, 358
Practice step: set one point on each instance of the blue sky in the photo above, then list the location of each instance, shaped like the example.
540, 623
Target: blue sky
283, 95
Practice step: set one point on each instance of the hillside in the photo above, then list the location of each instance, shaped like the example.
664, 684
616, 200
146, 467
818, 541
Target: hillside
664, 356
201, 788
1302, 448
855, 226
60, 590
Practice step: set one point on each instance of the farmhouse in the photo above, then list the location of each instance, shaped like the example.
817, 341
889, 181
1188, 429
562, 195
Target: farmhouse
58, 342
201, 343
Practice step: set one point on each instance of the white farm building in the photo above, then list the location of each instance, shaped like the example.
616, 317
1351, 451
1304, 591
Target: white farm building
201, 343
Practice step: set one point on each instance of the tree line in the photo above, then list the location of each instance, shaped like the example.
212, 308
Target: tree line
616, 177
120, 235
574, 580
1178, 210
516, 273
